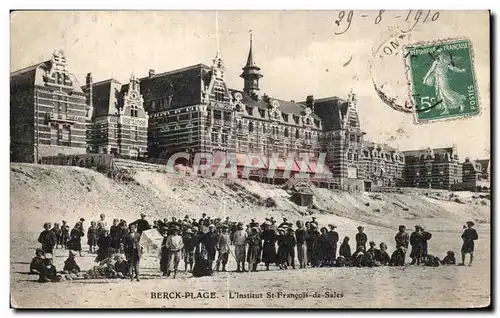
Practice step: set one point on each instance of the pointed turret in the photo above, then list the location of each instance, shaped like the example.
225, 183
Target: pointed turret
251, 74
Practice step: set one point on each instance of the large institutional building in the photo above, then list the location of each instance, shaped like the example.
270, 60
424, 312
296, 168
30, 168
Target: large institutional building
193, 110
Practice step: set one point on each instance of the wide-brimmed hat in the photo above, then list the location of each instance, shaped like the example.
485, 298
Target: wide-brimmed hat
470, 222
111, 249
72, 253
142, 214
360, 227
82, 219
188, 231
254, 229
267, 223
211, 226
372, 243
48, 256
195, 228
176, 228
417, 227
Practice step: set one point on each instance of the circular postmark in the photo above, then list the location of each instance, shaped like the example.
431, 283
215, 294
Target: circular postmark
388, 71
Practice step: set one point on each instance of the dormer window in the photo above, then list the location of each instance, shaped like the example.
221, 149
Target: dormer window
296, 119
249, 110
219, 94
134, 112
262, 113
285, 117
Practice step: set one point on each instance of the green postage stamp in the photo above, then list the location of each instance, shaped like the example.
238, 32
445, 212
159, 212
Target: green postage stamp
442, 80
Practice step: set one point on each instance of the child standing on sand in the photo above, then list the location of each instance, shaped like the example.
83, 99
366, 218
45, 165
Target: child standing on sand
92, 237
468, 237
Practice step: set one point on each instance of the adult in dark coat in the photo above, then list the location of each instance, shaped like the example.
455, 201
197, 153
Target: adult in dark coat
254, 242
103, 243
75, 238
269, 246
333, 238
282, 249
114, 234
133, 252
47, 238
209, 241
417, 243
402, 238
141, 224
398, 257
361, 238
291, 242
308, 237
468, 237
315, 245
425, 245
345, 249
324, 248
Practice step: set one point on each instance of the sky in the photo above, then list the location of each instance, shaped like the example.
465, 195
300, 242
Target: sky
299, 53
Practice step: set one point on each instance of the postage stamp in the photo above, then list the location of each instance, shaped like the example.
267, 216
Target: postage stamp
442, 80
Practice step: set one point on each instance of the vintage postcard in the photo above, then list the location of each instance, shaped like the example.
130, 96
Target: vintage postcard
250, 159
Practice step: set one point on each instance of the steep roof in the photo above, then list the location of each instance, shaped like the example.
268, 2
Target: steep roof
106, 97
184, 85
420, 152
331, 111
286, 107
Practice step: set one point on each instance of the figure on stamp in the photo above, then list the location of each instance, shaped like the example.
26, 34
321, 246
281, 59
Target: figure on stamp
438, 77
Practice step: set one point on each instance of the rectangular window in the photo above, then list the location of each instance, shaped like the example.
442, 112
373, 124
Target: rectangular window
349, 156
194, 115
217, 114
352, 138
135, 135
183, 117
227, 116
224, 139
54, 135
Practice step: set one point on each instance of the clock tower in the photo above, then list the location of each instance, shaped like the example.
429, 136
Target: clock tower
251, 75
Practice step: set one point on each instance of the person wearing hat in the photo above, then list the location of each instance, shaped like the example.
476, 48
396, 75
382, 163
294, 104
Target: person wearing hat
37, 261
189, 241
269, 247
209, 241
468, 237
254, 224
75, 238
48, 272
103, 242
47, 238
300, 237
240, 241
141, 224
333, 239
70, 265
312, 237
133, 251
314, 222
223, 248
254, 242
174, 246
417, 243
282, 253
361, 238
324, 248
425, 244
64, 234
285, 223
358, 257
402, 238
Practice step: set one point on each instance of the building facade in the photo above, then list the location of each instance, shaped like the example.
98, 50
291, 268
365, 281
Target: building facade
432, 168
193, 110
476, 174
383, 165
49, 115
119, 122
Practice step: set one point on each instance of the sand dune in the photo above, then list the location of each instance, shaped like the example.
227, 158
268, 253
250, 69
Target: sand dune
50, 193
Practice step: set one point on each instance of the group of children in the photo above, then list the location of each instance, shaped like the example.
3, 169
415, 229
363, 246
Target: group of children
199, 242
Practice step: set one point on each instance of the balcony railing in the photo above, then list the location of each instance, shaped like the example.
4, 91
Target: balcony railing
61, 117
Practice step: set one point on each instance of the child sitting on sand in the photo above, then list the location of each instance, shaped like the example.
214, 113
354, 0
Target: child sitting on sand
70, 265
48, 272
398, 257
449, 259
37, 262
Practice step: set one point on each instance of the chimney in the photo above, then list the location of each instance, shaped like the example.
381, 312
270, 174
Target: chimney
89, 96
89, 89
310, 102
151, 72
